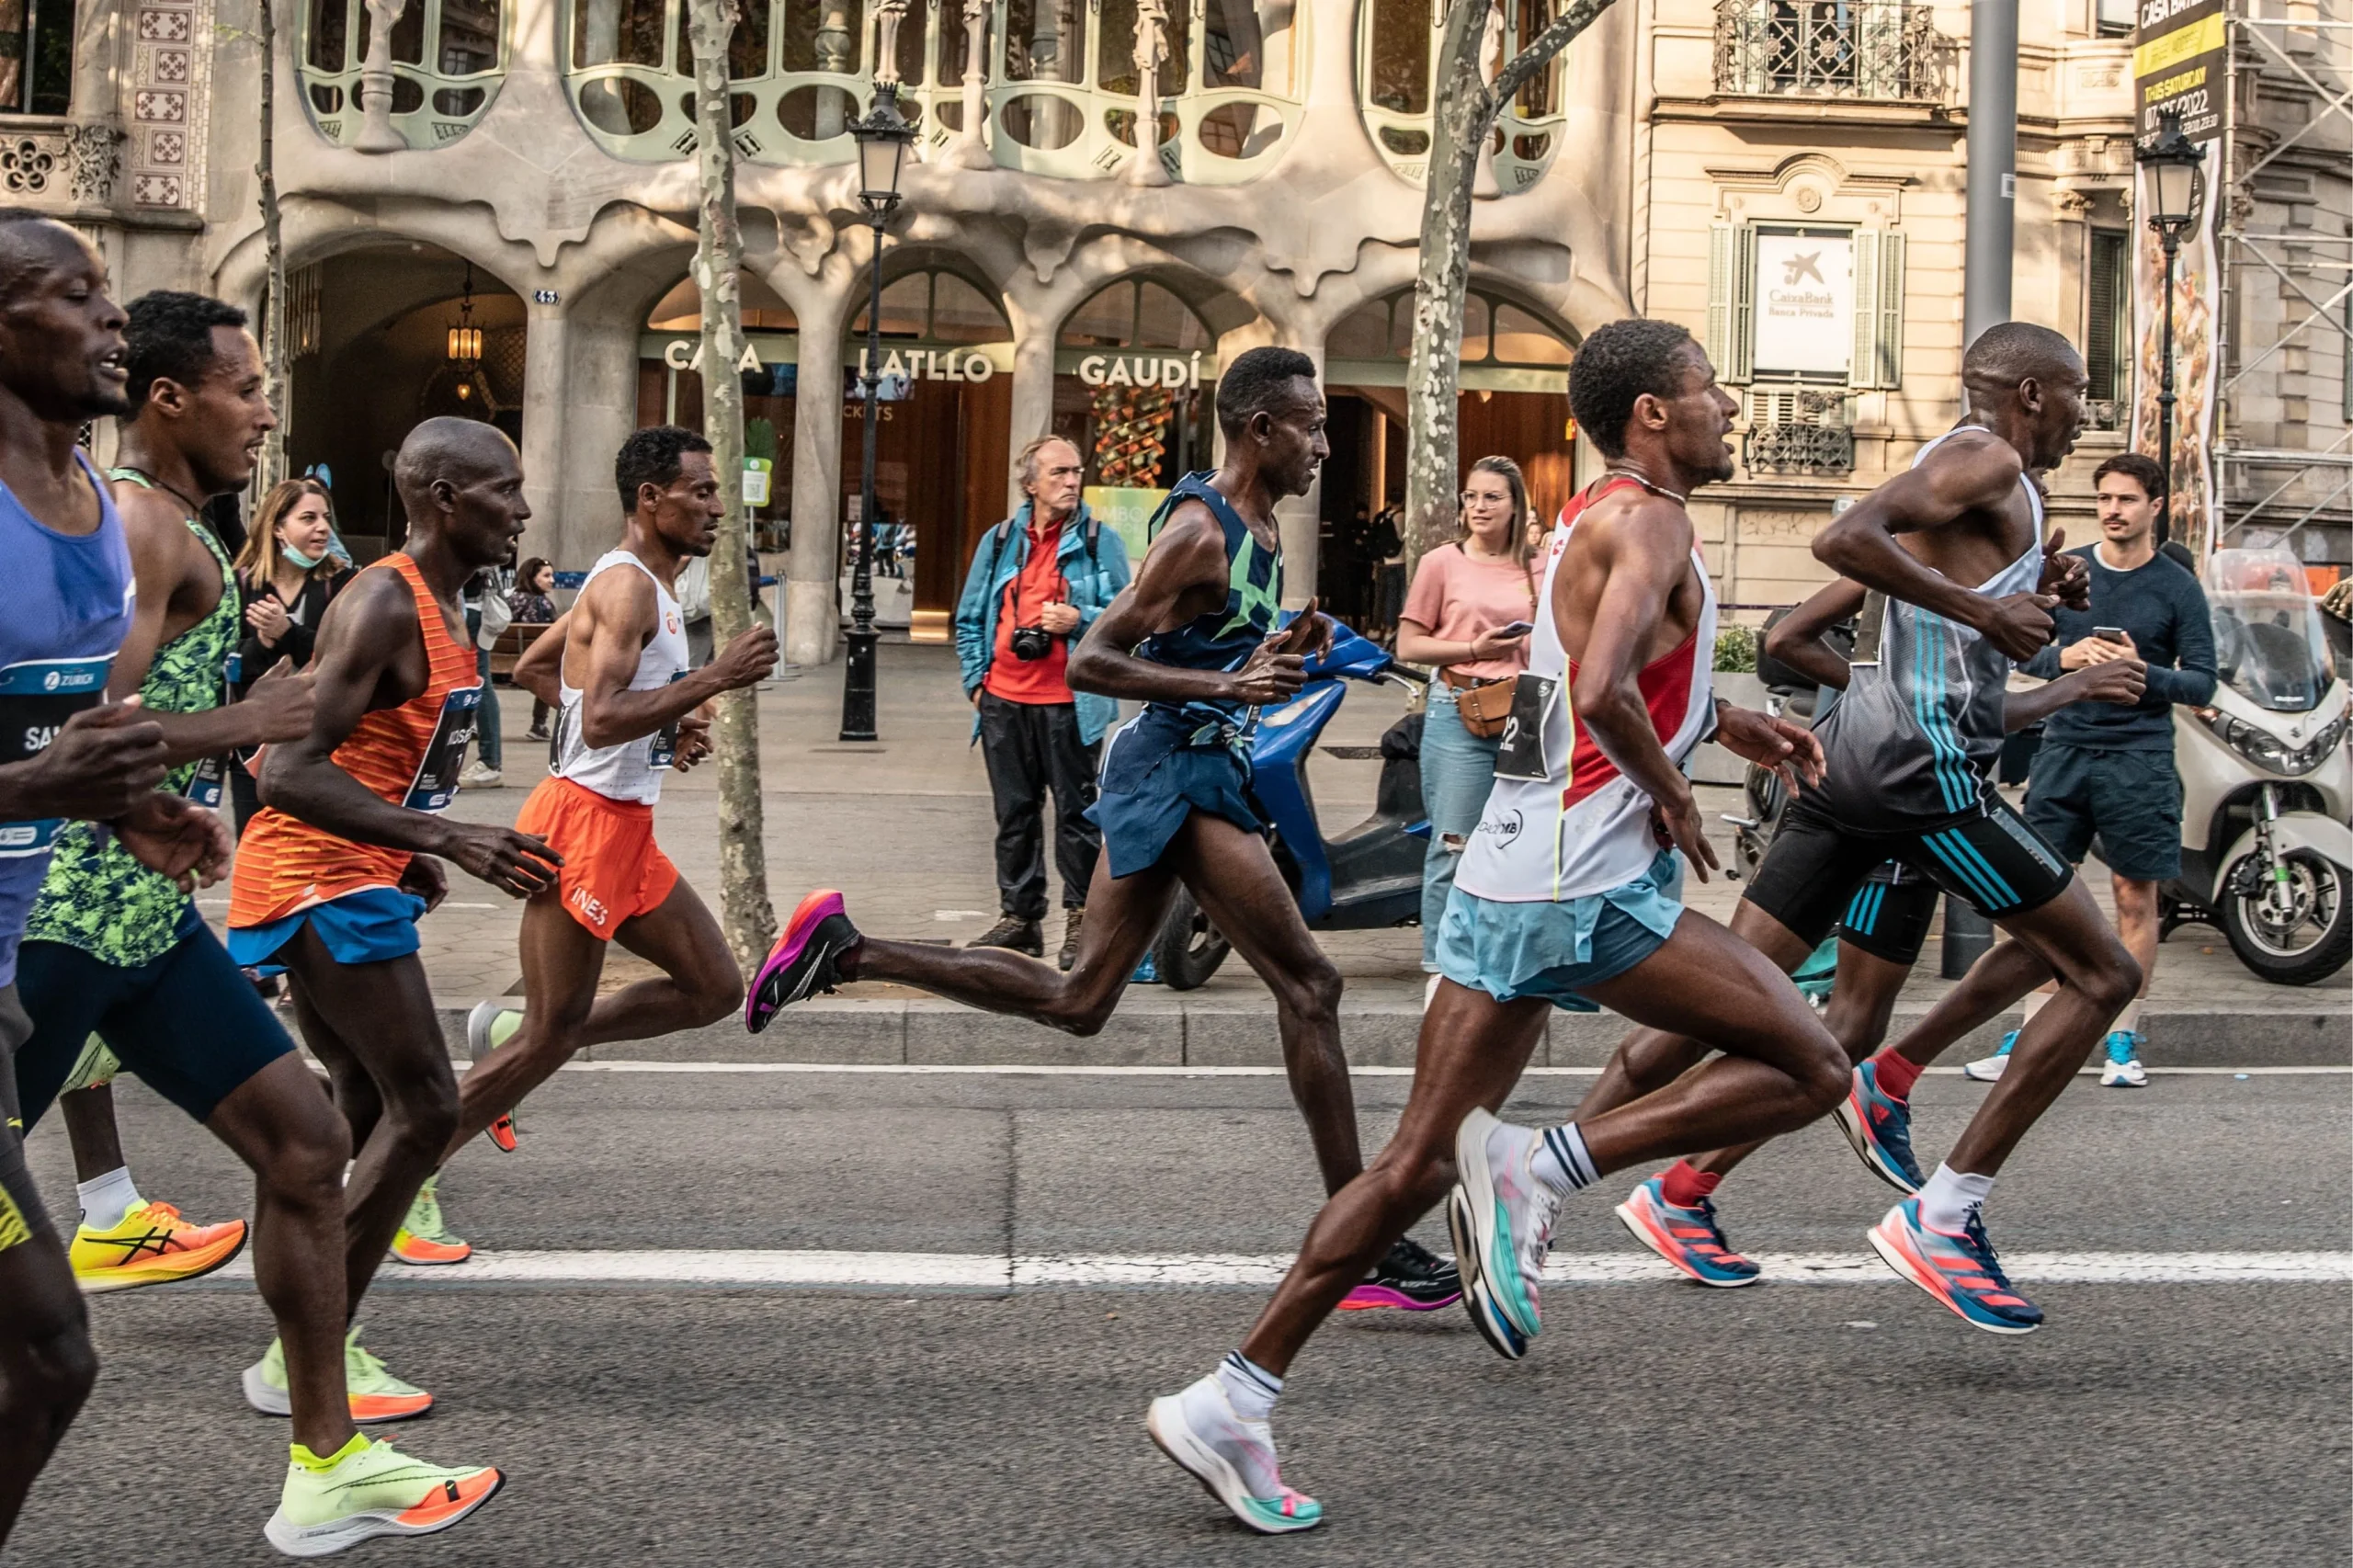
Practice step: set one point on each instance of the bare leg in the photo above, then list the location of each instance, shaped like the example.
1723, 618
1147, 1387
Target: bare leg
46, 1364
2136, 922
1993, 985
1123, 915
1233, 878
90, 1129
2096, 978
380, 1037
562, 962
1471, 1050
279, 1123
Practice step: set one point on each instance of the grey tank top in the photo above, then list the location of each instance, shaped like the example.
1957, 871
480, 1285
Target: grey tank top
1914, 737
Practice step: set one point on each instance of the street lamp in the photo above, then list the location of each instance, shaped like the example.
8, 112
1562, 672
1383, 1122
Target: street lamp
883, 142
2173, 163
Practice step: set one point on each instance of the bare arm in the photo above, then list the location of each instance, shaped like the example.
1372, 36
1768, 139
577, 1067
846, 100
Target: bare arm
1798, 638
2114, 680
612, 620
1963, 477
1188, 555
537, 671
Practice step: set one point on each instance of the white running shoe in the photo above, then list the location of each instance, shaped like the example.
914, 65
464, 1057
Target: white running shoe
1987, 1069
1502, 1217
1232, 1458
2123, 1069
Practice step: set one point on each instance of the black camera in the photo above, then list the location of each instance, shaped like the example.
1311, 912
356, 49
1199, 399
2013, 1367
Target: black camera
1032, 642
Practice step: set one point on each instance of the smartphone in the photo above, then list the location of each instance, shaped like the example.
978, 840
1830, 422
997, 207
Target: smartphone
1516, 628
2109, 633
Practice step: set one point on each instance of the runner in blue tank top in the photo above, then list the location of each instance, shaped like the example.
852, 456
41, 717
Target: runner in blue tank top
1193, 638
64, 754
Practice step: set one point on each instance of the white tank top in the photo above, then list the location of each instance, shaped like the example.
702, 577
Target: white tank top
1585, 829
632, 770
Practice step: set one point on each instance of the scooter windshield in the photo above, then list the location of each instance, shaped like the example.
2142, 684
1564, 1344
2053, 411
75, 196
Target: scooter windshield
2269, 645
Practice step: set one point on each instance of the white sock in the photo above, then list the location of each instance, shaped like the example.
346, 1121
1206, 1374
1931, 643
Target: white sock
1950, 1197
2127, 1020
106, 1199
1562, 1163
1249, 1388
2035, 1002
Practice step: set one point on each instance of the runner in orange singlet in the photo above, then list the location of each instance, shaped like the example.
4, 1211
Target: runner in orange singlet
336, 871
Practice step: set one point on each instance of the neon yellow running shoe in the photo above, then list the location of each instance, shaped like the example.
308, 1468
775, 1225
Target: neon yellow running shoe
151, 1245
366, 1489
374, 1393
424, 1241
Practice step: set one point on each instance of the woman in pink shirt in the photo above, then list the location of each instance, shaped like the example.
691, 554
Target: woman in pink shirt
1468, 614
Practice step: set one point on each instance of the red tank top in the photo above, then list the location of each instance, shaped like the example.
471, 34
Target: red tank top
409, 755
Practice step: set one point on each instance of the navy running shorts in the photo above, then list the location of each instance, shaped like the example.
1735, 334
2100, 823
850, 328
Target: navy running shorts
1154, 778
1890, 914
189, 1023
1987, 857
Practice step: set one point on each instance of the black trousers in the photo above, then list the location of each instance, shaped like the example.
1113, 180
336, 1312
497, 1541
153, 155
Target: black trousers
1033, 748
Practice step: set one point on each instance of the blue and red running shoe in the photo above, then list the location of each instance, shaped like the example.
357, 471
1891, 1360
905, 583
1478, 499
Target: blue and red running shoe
1961, 1271
1688, 1238
802, 962
1880, 1127
1411, 1278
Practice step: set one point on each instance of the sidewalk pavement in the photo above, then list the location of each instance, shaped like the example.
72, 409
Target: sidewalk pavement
903, 827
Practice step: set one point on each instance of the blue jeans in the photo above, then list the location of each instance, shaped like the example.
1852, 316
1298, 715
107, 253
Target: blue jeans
1458, 770
489, 743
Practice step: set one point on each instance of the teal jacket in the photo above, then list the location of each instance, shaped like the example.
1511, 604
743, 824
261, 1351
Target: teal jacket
1095, 580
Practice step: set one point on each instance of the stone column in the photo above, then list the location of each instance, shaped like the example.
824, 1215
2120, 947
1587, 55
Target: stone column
1151, 48
593, 360
546, 372
1300, 517
811, 607
1033, 390
965, 149
887, 15
376, 132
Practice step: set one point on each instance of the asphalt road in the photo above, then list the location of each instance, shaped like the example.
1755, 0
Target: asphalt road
1656, 1422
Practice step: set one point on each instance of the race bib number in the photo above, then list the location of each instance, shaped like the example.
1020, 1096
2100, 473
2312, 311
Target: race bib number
205, 784
435, 784
35, 700
665, 750
1520, 751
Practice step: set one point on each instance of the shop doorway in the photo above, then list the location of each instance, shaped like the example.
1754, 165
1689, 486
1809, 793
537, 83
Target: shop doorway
1135, 374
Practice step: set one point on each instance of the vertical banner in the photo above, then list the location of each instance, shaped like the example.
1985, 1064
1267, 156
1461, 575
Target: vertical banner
2178, 62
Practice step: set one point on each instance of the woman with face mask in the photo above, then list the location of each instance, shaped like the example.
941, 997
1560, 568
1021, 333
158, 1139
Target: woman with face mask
289, 567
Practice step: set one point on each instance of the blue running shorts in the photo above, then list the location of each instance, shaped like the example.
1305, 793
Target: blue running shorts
1555, 951
366, 926
1154, 778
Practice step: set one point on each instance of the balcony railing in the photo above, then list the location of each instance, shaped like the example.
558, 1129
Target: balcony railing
1880, 49
1800, 430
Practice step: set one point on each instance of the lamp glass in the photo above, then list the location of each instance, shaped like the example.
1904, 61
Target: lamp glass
2176, 193
879, 151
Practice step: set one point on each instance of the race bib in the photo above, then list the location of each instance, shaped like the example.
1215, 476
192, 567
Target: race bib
204, 785
35, 700
435, 784
1520, 751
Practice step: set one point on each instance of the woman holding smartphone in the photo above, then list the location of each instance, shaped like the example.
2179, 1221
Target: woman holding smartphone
286, 572
1468, 615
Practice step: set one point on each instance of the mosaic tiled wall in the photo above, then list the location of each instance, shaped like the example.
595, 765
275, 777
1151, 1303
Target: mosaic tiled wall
169, 104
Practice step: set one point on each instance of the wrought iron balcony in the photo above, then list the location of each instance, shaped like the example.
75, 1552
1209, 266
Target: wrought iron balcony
2107, 414
1879, 50
1800, 430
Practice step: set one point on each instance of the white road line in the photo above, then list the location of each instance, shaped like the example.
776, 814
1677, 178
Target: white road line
967, 1272
1046, 1070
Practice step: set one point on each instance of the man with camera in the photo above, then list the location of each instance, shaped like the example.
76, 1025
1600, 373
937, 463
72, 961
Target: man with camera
1037, 582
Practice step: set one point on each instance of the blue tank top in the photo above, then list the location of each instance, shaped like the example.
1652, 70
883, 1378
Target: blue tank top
1223, 638
69, 610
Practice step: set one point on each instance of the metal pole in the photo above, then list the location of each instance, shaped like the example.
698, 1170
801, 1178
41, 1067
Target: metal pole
858, 679
1992, 154
2164, 389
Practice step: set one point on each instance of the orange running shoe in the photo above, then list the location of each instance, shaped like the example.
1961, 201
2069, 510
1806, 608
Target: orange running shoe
152, 1245
375, 1393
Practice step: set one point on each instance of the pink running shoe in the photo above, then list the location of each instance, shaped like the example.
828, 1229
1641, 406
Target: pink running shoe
802, 962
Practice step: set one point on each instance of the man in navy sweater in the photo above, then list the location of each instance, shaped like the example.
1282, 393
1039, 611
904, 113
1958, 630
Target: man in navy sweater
2106, 769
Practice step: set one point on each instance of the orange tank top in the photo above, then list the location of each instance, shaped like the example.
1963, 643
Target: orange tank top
409, 755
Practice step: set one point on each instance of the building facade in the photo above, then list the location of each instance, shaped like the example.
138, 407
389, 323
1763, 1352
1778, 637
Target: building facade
1114, 196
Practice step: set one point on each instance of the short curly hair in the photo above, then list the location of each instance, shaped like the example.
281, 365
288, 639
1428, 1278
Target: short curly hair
650, 457
2139, 469
1615, 366
1259, 383
170, 334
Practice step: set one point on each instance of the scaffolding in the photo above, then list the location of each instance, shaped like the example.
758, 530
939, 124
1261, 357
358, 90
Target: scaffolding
2283, 433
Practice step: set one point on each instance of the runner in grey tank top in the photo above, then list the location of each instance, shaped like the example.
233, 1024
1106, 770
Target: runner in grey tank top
1914, 738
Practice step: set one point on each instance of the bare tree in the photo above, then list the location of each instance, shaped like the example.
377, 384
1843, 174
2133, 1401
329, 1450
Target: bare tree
1467, 107
272, 466
745, 913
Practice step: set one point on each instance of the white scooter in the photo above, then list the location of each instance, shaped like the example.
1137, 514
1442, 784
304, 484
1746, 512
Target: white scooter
2267, 782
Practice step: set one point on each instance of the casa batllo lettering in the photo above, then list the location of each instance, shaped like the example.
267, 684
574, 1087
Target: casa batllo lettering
1139, 370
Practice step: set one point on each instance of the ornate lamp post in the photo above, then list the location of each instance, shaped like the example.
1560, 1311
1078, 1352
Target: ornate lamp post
883, 142
2173, 162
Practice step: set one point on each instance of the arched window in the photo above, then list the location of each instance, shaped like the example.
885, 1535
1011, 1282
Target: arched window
935, 307
1505, 347
1397, 43
1136, 372
448, 57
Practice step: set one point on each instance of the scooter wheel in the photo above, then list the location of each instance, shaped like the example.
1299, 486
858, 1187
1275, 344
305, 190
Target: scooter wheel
2302, 949
1188, 949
